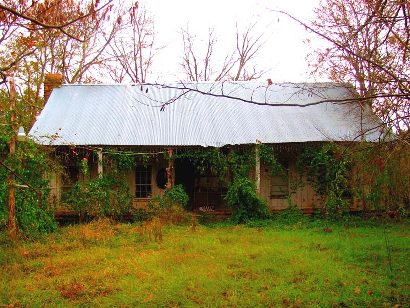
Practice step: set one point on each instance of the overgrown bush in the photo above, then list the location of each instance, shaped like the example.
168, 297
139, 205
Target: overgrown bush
329, 173
102, 197
292, 215
246, 205
171, 206
29, 164
383, 179
176, 196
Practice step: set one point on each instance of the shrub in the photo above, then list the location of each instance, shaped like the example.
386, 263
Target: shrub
103, 197
292, 215
34, 221
33, 213
176, 196
171, 206
246, 205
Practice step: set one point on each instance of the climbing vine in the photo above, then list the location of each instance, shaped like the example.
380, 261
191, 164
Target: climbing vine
269, 158
34, 208
231, 162
107, 196
382, 178
328, 171
233, 166
123, 160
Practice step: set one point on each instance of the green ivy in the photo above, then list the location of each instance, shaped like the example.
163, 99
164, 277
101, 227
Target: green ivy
329, 173
234, 165
123, 160
268, 157
202, 159
246, 205
176, 195
170, 207
34, 213
102, 197
234, 162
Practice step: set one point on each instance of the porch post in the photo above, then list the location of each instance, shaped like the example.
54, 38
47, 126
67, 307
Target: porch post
257, 169
100, 163
170, 170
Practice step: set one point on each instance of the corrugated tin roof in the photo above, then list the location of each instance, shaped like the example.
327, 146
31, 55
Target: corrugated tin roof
205, 114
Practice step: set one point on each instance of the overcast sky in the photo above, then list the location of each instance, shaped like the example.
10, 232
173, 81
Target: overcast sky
284, 50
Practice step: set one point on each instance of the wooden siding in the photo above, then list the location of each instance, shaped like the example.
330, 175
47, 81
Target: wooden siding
301, 193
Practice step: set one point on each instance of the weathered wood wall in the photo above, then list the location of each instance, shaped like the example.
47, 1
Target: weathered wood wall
300, 191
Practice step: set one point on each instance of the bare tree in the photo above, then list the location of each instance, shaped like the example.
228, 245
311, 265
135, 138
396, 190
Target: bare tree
235, 64
30, 54
133, 49
368, 47
23, 22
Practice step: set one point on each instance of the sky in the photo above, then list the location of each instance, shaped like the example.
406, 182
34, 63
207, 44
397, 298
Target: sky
284, 51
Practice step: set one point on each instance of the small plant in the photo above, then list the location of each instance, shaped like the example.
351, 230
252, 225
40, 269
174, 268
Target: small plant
176, 196
194, 222
290, 216
171, 206
246, 205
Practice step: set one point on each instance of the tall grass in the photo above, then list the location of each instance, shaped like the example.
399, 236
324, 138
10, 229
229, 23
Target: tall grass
298, 264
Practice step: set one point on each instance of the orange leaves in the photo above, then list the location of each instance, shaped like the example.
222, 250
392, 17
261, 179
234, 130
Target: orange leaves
28, 42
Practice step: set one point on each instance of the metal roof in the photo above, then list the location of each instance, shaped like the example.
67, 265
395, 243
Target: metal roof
205, 114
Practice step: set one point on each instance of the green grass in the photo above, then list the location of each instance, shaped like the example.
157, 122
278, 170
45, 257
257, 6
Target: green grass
103, 264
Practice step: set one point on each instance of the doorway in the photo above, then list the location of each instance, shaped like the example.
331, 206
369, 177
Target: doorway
185, 175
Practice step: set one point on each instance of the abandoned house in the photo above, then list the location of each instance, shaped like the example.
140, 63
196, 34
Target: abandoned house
167, 118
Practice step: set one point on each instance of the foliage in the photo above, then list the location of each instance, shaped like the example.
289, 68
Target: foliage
123, 160
328, 171
291, 215
246, 205
176, 195
33, 210
269, 158
232, 162
376, 175
234, 165
171, 206
202, 159
240, 162
107, 196
83, 164
383, 178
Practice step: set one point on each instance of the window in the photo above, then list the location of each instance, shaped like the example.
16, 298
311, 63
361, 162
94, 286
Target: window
279, 187
279, 184
143, 182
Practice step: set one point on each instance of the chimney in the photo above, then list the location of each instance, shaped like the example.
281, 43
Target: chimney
51, 81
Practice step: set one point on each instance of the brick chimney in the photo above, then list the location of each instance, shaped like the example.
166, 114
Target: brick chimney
51, 81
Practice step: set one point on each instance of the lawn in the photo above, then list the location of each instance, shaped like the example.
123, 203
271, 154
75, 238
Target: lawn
304, 264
